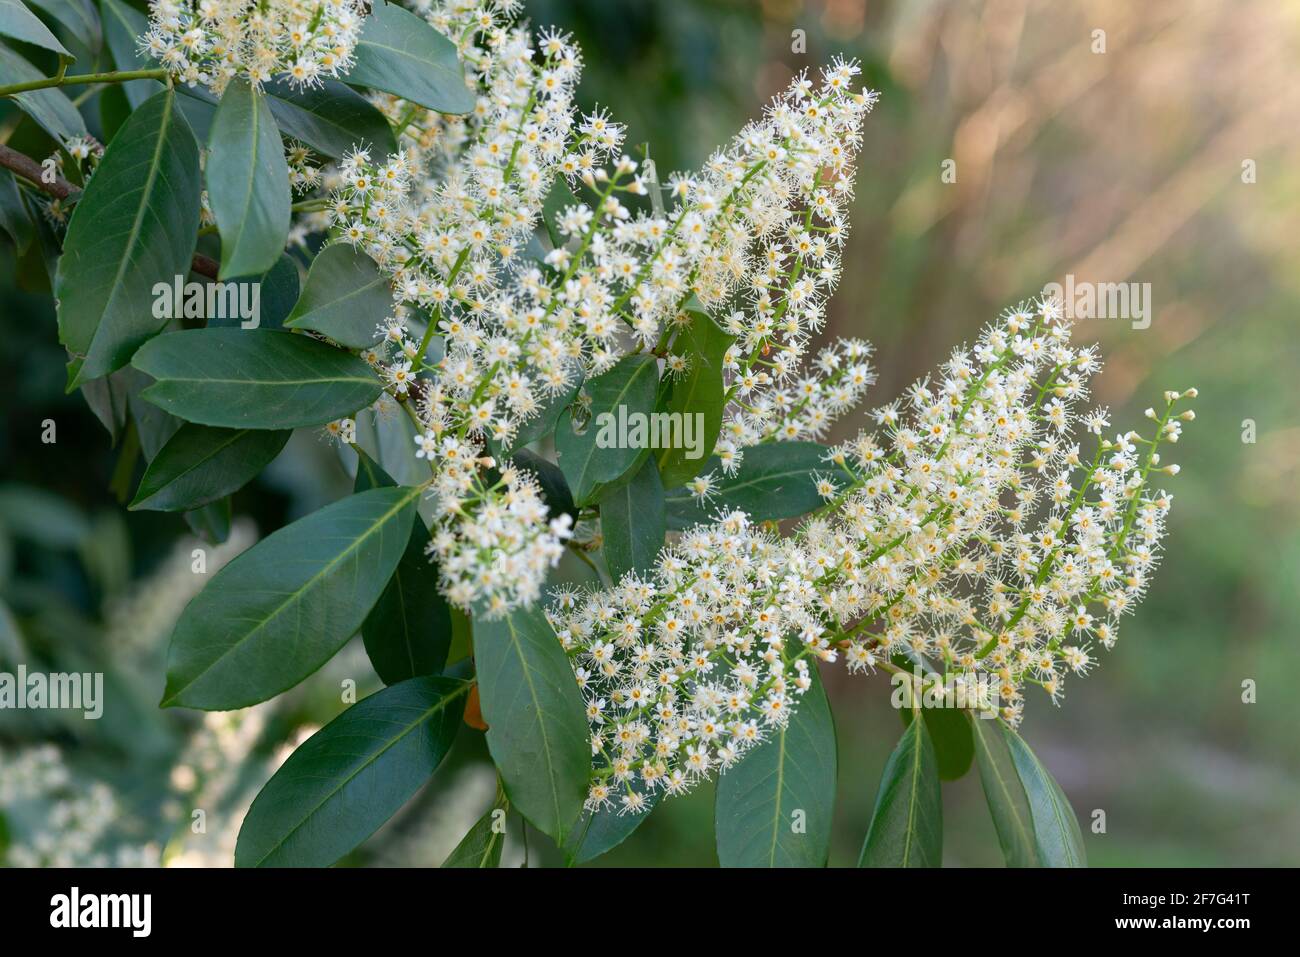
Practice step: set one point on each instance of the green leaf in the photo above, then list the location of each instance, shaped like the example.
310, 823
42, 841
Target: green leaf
110, 399
122, 25
211, 522
134, 227
601, 831
482, 845
277, 291
50, 108
951, 736
400, 53
36, 268
154, 425
699, 392
14, 218
631, 386
79, 17
352, 775
20, 23
1005, 795
254, 378
907, 823
462, 637
632, 522
200, 464
283, 608
387, 439
199, 108
408, 632
537, 725
774, 808
248, 182
331, 118
114, 109
775, 480
345, 298
1057, 837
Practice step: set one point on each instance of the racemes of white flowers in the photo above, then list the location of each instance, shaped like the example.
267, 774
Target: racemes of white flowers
755, 235
966, 533
210, 42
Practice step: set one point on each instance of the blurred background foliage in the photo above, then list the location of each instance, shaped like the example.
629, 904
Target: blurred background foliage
1122, 166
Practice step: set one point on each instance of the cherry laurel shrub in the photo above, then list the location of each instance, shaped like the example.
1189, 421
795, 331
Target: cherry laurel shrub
491, 272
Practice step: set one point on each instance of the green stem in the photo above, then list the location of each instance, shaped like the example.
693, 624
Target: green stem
120, 76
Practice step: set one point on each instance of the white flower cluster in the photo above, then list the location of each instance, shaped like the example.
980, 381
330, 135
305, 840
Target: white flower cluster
210, 42
491, 536
213, 771
452, 214
685, 670
305, 174
65, 826
967, 535
763, 216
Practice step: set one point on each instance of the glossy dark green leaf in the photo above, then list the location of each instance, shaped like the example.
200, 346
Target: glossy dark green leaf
951, 736
331, 118
248, 182
775, 480
123, 25
907, 823
598, 832
408, 632
482, 845
50, 108
37, 266
254, 378
110, 399
78, 17
283, 608
211, 522
14, 218
625, 390
388, 440
697, 393
398, 52
774, 808
114, 109
199, 108
345, 297
537, 726
633, 523
200, 464
20, 23
1005, 795
134, 228
277, 291
352, 775
153, 425
1057, 837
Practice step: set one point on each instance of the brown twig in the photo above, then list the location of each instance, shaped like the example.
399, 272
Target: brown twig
60, 188
30, 170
